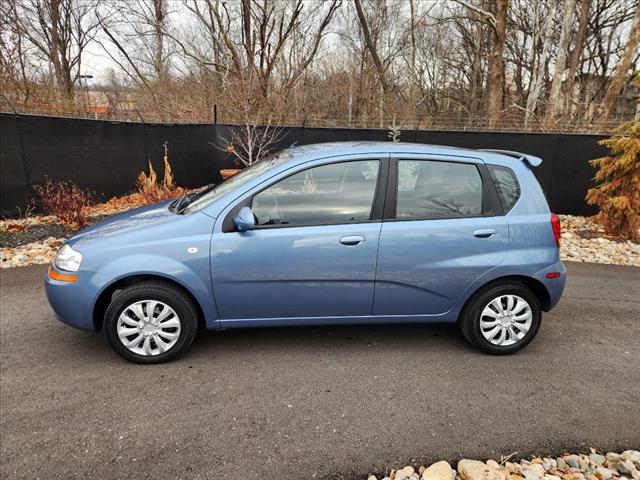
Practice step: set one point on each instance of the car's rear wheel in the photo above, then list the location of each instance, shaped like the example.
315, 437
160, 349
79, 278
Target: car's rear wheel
151, 322
502, 318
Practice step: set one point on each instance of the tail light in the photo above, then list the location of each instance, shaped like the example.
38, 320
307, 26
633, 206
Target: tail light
557, 229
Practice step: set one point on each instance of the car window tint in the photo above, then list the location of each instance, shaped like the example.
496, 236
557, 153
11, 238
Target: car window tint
432, 189
507, 186
335, 193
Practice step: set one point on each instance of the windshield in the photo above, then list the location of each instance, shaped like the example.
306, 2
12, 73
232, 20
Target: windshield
208, 196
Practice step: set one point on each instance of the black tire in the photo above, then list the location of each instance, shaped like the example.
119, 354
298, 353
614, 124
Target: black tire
172, 296
469, 321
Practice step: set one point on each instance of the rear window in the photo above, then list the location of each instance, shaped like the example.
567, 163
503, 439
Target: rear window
507, 185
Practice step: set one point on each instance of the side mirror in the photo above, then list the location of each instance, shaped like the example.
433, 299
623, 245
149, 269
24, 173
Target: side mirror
244, 220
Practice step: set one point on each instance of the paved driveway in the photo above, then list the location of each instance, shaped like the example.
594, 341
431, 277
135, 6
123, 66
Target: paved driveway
325, 402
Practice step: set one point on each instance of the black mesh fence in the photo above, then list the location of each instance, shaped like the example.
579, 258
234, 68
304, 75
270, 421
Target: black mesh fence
106, 156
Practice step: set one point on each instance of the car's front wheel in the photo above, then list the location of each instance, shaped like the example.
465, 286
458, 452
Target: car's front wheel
502, 318
151, 322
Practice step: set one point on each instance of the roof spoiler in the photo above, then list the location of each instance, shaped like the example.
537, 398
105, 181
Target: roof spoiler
531, 160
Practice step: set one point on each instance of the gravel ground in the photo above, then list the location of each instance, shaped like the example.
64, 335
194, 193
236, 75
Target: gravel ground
35, 234
594, 466
582, 241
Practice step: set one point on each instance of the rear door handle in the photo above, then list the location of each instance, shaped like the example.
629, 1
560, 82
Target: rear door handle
484, 232
352, 240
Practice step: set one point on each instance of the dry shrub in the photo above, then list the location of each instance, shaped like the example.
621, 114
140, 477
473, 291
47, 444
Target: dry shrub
617, 192
150, 190
66, 200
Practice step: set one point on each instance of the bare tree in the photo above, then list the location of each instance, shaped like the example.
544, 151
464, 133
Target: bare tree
544, 35
258, 45
60, 30
576, 54
561, 59
496, 63
372, 48
617, 81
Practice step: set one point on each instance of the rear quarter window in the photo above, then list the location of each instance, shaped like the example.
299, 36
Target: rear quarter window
506, 184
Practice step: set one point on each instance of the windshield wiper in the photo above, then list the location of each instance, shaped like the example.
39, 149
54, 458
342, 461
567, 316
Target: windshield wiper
183, 202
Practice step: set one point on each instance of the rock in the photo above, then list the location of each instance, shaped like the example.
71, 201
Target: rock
597, 459
568, 476
572, 461
632, 456
438, 471
513, 468
475, 470
532, 474
372, 477
625, 467
603, 473
537, 460
551, 477
493, 464
538, 468
404, 473
613, 457
549, 463
516, 477
421, 469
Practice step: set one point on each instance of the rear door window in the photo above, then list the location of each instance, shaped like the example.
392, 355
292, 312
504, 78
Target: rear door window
429, 189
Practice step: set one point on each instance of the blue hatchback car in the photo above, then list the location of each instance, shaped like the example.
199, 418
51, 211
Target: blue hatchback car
335, 233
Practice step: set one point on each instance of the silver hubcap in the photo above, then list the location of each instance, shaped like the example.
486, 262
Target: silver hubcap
148, 327
506, 320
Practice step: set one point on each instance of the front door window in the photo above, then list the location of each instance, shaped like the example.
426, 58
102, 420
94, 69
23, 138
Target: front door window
337, 193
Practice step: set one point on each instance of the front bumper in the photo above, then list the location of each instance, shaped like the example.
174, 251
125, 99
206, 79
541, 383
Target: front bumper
69, 301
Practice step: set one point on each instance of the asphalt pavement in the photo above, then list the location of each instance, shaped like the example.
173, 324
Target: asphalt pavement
315, 402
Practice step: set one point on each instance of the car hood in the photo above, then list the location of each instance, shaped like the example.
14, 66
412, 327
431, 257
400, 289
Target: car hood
126, 222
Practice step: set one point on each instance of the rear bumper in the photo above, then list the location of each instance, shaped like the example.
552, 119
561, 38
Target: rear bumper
68, 301
555, 286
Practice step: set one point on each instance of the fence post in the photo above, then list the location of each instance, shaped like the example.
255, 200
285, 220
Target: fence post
215, 113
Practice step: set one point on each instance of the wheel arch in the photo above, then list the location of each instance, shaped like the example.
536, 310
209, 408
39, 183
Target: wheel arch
536, 287
104, 298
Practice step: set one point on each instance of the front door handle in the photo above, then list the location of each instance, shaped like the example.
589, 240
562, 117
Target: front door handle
352, 240
484, 232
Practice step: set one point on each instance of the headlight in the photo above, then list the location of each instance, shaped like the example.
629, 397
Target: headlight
68, 259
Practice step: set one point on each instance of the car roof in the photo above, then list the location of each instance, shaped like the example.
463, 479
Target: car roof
366, 146
329, 149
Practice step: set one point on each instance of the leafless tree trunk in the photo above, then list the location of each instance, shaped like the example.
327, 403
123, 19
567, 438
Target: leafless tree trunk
561, 58
617, 81
496, 64
576, 53
537, 80
372, 48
